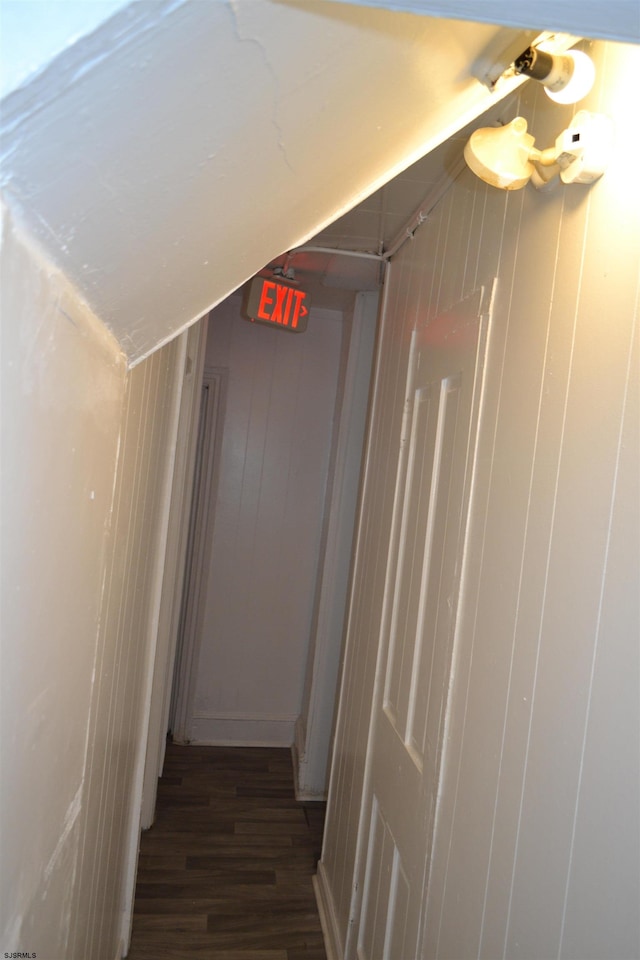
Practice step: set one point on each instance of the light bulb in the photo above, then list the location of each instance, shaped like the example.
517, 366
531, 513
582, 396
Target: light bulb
575, 76
566, 77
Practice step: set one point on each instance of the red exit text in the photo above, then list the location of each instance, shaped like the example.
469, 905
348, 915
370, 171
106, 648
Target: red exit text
278, 304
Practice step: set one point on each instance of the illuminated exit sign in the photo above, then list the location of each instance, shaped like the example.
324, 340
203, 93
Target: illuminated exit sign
277, 303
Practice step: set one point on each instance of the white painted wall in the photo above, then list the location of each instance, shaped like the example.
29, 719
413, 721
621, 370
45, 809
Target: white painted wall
117, 725
63, 380
86, 455
268, 511
537, 833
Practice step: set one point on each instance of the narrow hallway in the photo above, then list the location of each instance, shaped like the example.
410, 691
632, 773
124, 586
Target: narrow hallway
225, 871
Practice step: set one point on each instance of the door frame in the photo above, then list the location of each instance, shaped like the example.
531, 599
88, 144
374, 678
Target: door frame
315, 725
185, 435
200, 525
149, 746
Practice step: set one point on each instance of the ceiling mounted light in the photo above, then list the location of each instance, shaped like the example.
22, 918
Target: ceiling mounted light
566, 77
506, 157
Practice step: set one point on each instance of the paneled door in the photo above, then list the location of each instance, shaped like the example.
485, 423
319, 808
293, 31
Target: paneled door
433, 482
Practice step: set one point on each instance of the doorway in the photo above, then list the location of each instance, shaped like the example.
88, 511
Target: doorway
257, 652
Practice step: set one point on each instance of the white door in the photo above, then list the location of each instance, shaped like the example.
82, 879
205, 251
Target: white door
419, 619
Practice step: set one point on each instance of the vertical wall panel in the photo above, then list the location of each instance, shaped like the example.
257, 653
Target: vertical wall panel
536, 848
116, 747
545, 496
89, 448
610, 694
63, 383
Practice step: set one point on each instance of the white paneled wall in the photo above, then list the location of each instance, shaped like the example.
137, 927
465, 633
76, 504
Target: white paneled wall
268, 510
113, 787
86, 467
536, 847
63, 381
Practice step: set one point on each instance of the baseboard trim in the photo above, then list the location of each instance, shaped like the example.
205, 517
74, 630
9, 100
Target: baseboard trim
243, 731
299, 737
305, 796
328, 919
295, 761
299, 770
303, 792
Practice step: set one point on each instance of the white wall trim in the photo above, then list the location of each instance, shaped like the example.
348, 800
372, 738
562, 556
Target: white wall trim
180, 490
328, 919
374, 403
298, 760
299, 738
210, 423
316, 727
242, 730
300, 766
190, 427
305, 796
153, 621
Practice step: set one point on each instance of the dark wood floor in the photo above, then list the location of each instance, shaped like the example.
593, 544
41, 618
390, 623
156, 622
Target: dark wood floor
225, 871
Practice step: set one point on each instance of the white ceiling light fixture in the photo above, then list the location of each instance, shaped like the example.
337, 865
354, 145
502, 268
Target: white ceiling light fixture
566, 77
506, 157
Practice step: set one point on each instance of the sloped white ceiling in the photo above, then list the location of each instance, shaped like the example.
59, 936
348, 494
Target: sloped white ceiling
165, 158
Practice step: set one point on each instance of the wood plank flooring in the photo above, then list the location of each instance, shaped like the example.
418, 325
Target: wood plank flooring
225, 871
